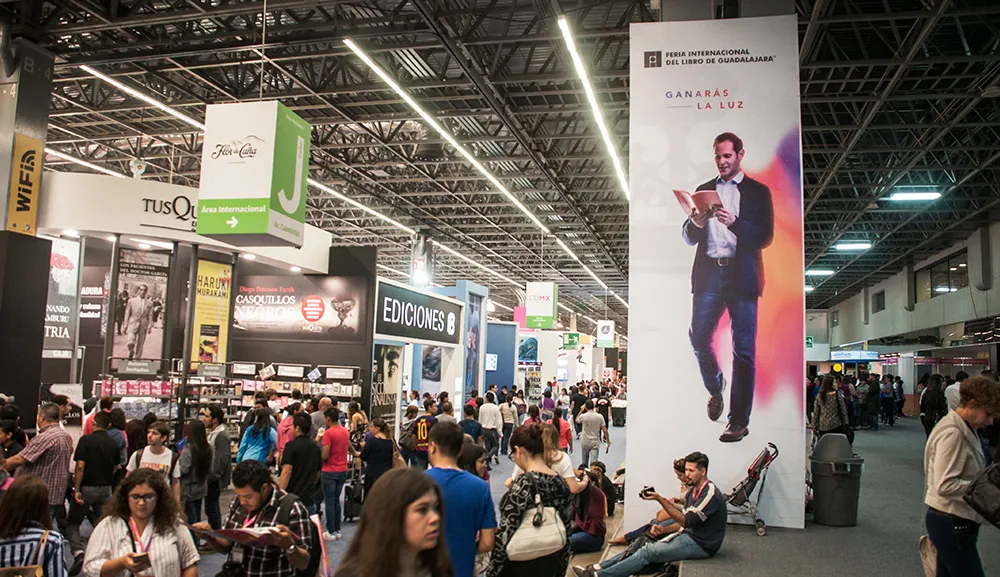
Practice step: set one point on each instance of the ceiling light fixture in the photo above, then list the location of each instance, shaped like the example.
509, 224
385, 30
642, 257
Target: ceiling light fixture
296, 269
248, 256
915, 196
145, 246
444, 133
581, 71
358, 205
110, 238
621, 300
819, 272
76, 234
82, 162
152, 243
809, 289
853, 245
147, 99
501, 305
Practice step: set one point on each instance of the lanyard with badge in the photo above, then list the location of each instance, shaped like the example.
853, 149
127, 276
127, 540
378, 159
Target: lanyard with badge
236, 554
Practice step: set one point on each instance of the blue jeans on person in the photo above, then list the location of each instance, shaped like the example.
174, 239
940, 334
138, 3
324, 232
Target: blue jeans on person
333, 486
679, 548
508, 428
633, 535
192, 510
707, 310
212, 511
955, 540
583, 542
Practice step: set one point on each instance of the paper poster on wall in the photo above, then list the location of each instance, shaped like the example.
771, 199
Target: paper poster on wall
300, 308
211, 313
60, 306
716, 210
430, 369
527, 350
139, 310
387, 383
491, 361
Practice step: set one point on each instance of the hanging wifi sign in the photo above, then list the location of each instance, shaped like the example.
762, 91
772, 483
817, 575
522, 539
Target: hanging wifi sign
254, 165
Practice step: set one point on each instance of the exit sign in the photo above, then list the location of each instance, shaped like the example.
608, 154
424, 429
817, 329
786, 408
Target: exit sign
809, 342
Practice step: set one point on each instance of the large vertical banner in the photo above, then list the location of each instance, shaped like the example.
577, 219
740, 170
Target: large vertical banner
60, 306
716, 255
474, 336
211, 313
387, 383
139, 312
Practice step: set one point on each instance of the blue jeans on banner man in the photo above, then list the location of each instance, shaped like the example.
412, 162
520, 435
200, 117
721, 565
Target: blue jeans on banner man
708, 307
679, 548
333, 486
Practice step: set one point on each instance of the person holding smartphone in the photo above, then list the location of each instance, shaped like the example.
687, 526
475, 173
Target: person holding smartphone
141, 533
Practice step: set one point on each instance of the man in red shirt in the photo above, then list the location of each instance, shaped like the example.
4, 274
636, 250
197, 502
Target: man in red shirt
105, 406
336, 446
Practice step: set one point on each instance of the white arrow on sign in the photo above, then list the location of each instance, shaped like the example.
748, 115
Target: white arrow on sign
232, 222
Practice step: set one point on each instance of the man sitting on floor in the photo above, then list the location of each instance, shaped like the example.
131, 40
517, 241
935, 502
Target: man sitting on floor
662, 517
697, 533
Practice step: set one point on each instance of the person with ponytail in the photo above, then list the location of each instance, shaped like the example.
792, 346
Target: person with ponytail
556, 459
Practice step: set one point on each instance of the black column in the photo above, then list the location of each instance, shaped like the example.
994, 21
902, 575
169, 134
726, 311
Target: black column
24, 283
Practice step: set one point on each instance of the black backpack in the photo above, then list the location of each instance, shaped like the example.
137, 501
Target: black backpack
316, 550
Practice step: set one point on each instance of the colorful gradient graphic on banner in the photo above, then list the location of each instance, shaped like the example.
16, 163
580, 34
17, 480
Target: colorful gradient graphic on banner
716, 256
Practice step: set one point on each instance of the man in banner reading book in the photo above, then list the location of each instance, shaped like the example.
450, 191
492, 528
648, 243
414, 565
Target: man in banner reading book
728, 275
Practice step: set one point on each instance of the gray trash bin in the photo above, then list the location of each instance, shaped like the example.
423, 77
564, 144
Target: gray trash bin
836, 478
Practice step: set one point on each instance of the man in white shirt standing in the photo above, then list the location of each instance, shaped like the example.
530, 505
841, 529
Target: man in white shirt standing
951, 392
492, 423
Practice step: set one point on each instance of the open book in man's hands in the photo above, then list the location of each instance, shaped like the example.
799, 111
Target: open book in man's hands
254, 536
699, 201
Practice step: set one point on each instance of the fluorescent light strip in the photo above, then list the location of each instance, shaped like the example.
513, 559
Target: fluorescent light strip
581, 71
156, 243
444, 133
82, 162
454, 252
621, 300
147, 99
358, 205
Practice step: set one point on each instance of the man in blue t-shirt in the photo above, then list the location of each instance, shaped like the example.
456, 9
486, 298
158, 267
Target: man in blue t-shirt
470, 426
697, 532
468, 505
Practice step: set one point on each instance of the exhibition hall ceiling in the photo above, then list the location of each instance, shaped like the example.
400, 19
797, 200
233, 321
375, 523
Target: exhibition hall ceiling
897, 95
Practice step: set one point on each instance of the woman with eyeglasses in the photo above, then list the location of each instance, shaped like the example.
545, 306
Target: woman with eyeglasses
141, 533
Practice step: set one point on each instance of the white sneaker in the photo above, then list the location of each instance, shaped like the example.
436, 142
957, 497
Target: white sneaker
338, 535
329, 536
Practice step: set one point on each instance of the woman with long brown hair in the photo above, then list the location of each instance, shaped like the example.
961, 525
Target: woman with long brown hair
25, 528
196, 463
829, 410
404, 515
141, 532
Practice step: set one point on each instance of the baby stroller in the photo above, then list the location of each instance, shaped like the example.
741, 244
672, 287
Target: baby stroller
740, 501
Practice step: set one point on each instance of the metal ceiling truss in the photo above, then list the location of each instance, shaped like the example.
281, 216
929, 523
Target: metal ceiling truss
894, 93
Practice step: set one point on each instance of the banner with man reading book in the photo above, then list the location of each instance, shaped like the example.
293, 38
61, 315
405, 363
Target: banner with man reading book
716, 257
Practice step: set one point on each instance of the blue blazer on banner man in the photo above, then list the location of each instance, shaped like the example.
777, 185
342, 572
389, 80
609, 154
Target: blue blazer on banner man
728, 275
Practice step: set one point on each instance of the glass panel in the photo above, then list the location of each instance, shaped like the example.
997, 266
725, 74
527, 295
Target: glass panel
939, 279
923, 282
959, 271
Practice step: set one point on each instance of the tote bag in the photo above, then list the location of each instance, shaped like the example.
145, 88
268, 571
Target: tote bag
540, 533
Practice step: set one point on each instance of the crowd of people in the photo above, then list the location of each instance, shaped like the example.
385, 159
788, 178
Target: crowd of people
958, 416
143, 493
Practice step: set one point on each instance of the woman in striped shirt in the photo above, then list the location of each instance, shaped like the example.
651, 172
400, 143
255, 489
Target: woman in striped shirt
25, 528
141, 533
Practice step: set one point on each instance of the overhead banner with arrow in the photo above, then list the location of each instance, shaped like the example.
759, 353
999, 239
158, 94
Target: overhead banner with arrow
254, 166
